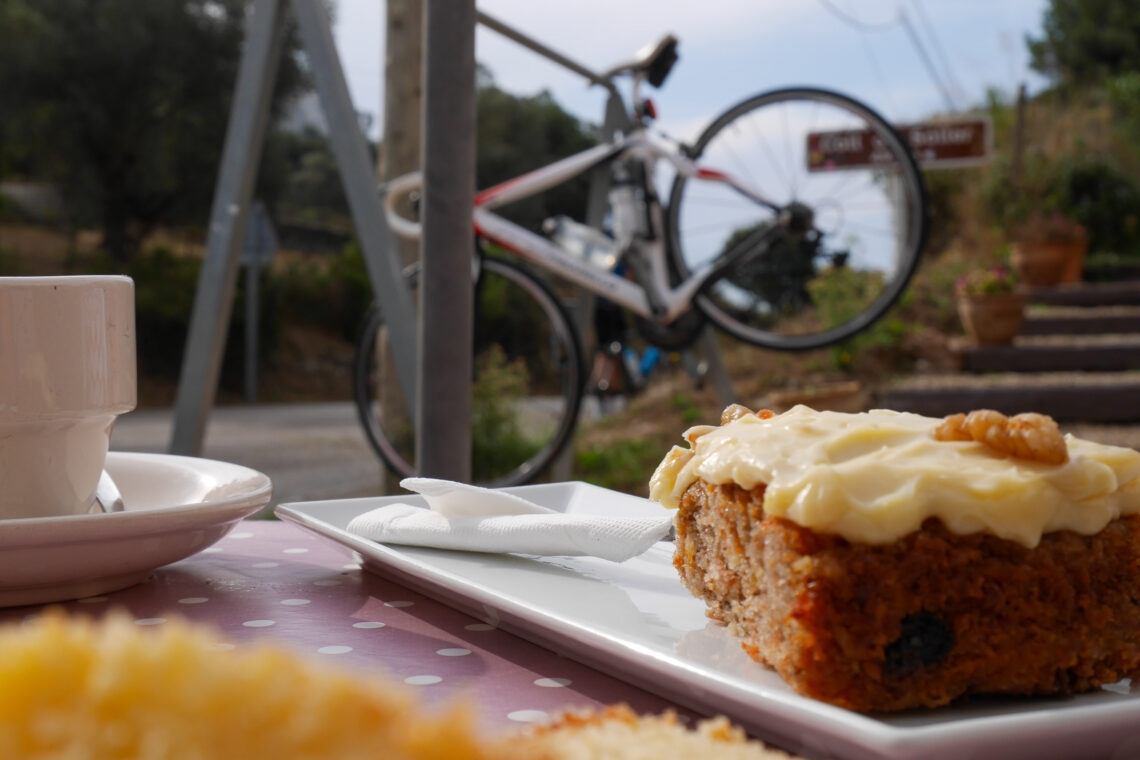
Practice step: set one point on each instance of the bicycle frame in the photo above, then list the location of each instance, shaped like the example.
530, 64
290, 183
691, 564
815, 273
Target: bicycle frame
653, 299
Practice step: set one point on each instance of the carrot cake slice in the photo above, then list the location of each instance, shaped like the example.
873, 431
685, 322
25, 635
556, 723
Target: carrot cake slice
885, 560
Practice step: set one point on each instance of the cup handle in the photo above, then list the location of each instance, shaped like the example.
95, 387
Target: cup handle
107, 494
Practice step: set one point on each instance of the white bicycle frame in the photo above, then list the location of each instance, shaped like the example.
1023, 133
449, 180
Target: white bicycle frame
640, 298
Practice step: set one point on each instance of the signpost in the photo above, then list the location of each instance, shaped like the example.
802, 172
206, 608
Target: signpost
935, 145
256, 253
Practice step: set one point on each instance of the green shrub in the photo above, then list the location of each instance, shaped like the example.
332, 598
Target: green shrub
498, 442
331, 293
165, 287
1103, 198
622, 465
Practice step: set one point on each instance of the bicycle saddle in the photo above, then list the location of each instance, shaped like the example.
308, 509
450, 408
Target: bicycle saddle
655, 59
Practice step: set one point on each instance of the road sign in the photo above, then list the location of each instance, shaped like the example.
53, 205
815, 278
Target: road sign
936, 145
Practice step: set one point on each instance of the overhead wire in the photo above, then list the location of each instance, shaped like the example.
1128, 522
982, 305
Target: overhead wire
939, 50
904, 19
900, 19
850, 20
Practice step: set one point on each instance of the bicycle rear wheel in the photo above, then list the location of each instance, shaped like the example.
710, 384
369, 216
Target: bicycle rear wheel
853, 183
527, 388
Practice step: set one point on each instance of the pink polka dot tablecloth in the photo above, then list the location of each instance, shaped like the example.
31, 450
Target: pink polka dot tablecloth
270, 579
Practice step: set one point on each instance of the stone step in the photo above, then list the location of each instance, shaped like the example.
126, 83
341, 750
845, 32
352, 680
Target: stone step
1081, 320
1070, 396
1119, 293
1111, 271
1050, 353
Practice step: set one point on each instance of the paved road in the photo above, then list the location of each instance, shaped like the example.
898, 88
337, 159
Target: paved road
310, 451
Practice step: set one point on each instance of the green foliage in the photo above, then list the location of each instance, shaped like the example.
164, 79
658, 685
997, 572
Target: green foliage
842, 293
622, 465
690, 411
518, 134
1105, 200
123, 104
498, 442
330, 292
1124, 93
165, 285
1086, 41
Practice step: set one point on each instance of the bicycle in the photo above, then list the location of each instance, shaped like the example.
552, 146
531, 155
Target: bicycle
802, 245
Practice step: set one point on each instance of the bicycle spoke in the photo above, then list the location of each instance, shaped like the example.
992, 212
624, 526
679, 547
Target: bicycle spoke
794, 186
766, 300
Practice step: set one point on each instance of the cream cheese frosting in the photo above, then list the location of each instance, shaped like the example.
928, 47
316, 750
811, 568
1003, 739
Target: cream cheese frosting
876, 476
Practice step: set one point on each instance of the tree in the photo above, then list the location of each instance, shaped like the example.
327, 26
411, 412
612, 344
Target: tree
516, 134
124, 104
1087, 41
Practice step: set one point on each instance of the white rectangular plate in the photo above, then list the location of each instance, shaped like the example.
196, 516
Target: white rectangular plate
636, 621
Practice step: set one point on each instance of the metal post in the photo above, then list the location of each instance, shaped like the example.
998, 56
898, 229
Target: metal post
213, 300
358, 175
252, 295
443, 446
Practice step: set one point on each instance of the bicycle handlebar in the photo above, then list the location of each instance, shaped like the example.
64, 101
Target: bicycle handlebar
393, 189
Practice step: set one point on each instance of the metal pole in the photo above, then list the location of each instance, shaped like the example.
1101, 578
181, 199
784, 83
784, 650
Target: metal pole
513, 34
358, 175
443, 446
252, 288
213, 299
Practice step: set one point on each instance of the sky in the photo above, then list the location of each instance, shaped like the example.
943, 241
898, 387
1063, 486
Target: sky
731, 49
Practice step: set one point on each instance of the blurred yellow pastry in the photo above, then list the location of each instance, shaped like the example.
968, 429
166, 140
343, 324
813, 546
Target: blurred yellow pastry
76, 689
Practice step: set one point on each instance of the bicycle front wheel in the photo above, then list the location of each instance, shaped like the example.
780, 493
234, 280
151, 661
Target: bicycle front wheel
849, 180
526, 392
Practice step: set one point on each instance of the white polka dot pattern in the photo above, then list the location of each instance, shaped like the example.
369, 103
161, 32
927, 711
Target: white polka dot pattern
150, 621
273, 584
422, 680
528, 716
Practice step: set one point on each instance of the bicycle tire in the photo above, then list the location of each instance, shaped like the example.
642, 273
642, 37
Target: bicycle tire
784, 314
533, 301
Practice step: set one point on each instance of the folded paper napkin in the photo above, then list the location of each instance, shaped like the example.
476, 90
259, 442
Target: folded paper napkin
470, 518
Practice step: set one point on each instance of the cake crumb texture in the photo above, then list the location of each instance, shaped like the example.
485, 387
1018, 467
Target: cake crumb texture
918, 622
617, 733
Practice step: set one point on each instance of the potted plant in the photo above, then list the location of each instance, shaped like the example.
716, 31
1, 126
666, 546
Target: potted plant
1049, 249
990, 305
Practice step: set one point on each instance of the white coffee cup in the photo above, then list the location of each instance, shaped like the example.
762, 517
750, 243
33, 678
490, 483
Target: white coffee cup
67, 369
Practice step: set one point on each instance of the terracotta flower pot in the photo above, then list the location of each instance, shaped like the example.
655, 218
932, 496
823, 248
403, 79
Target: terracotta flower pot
1041, 263
1075, 265
993, 319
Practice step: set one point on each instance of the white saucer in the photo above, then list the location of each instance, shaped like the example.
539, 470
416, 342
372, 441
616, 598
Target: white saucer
175, 506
